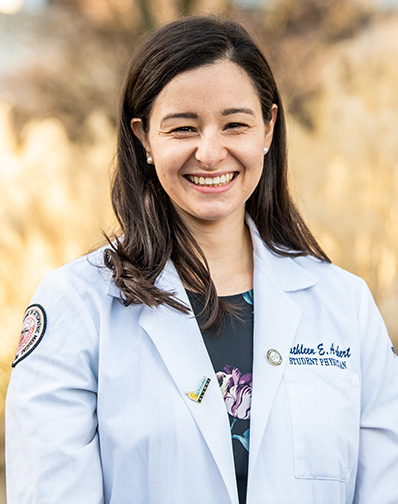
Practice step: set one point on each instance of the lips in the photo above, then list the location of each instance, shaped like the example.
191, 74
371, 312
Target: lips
217, 181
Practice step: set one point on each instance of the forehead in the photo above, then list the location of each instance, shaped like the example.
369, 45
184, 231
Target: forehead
217, 86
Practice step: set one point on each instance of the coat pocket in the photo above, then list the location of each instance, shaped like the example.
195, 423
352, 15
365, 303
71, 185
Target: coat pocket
325, 416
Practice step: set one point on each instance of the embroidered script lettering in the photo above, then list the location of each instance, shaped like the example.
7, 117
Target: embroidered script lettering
327, 355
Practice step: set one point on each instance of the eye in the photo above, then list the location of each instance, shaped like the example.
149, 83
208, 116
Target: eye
183, 129
236, 125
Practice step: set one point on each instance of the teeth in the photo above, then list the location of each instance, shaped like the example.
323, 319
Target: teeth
212, 181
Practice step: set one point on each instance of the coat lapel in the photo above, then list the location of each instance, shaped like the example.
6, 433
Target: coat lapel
180, 344
276, 320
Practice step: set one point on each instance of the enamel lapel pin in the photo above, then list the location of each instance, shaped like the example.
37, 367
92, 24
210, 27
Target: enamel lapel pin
200, 391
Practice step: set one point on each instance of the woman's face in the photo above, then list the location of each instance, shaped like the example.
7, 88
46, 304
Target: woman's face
206, 137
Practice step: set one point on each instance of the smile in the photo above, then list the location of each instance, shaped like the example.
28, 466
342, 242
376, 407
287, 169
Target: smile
212, 181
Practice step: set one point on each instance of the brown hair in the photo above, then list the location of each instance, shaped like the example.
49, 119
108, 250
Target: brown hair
152, 231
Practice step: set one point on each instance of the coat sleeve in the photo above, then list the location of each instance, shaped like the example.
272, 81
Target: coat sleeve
52, 447
377, 477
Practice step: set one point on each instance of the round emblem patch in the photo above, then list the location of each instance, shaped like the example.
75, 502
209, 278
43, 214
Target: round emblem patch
34, 326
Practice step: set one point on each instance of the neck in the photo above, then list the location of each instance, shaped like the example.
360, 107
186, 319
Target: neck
228, 249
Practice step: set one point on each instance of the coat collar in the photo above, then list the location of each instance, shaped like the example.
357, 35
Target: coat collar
179, 342
285, 271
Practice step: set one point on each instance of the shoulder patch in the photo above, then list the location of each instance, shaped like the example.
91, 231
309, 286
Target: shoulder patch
33, 329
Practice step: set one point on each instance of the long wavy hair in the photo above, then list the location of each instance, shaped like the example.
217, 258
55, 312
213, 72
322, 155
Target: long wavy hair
151, 232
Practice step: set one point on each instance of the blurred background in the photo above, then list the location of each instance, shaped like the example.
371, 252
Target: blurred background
61, 67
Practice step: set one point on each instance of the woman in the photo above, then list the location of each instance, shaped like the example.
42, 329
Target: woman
211, 354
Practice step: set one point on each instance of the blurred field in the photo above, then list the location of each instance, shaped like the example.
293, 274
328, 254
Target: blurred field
57, 104
345, 167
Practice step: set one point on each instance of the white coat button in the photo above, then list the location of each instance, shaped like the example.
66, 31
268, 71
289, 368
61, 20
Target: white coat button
274, 357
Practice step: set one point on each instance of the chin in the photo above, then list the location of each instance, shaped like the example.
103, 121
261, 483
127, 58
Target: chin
209, 213
211, 216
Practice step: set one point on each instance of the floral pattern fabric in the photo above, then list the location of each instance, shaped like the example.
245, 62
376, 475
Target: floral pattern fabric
237, 392
236, 389
231, 353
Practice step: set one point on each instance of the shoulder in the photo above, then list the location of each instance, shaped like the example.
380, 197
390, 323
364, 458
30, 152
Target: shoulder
76, 293
344, 300
342, 293
330, 274
85, 275
301, 272
66, 309
87, 269
335, 285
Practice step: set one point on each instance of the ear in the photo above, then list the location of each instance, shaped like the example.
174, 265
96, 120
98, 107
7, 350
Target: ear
138, 130
269, 127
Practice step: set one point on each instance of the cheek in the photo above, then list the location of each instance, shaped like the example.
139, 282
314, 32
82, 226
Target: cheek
255, 165
165, 173
254, 170
167, 162
168, 178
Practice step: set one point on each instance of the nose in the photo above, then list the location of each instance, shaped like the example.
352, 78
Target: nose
210, 150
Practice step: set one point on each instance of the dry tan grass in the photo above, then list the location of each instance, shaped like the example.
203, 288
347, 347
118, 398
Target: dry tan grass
346, 168
54, 203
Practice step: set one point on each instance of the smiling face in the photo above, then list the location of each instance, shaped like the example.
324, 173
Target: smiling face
207, 136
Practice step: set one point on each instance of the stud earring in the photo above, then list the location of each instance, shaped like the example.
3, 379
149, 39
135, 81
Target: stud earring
265, 150
149, 159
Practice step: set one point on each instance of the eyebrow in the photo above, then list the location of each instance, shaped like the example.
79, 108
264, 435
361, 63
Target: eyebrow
237, 111
180, 115
193, 115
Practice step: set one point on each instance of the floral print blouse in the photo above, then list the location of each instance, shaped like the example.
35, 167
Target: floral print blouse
232, 355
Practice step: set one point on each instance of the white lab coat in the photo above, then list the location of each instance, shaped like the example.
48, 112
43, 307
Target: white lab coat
98, 412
